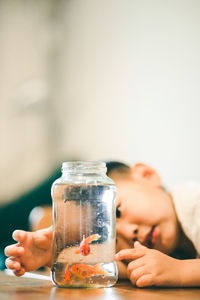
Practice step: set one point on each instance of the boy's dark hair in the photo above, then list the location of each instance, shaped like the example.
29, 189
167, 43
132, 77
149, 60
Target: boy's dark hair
116, 166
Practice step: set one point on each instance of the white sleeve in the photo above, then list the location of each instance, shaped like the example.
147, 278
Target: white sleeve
187, 204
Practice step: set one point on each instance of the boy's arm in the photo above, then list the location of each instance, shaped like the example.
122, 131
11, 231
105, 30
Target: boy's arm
40, 218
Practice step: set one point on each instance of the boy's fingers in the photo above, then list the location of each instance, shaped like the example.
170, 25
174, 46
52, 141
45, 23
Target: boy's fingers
20, 272
130, 254
12, 264
138, 245
145, 280
48, 231
43, 238
134, 264
19, 235
137, 273
13, 250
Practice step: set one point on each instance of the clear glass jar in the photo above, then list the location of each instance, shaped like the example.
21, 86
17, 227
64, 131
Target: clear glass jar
84, 225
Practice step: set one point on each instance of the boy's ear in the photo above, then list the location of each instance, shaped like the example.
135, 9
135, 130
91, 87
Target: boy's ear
145, 173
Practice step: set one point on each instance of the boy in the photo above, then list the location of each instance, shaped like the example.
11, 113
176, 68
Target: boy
150, 227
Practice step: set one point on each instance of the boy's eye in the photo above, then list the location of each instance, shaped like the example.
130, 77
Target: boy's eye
118, 212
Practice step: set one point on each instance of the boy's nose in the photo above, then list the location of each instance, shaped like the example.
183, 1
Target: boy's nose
134, 233
129, 231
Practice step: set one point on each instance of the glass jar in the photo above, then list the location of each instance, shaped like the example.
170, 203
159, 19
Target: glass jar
84, 226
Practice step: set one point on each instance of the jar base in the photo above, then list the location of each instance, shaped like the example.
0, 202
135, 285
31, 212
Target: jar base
99, 282
83, 280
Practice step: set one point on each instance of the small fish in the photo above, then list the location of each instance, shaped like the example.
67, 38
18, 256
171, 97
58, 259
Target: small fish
83, 271
84, 248
67, 273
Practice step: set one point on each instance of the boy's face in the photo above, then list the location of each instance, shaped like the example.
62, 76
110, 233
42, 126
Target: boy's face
145, 212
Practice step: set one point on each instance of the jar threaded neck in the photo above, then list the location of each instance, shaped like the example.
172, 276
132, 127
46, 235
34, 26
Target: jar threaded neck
84, 167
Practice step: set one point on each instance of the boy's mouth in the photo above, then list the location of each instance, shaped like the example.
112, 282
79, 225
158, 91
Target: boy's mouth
150, 238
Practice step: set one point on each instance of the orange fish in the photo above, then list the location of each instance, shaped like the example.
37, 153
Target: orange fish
67, 273
83, 271
84, 248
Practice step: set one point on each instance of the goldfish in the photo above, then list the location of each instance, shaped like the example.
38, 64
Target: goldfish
84, 248
67, 273
83, 271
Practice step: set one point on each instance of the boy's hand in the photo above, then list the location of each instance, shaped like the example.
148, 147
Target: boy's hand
32, 251
149, 267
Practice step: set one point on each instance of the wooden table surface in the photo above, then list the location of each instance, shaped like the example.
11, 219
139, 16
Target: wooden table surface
14, 288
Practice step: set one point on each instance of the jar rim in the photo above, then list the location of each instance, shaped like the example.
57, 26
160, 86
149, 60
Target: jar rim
84, 167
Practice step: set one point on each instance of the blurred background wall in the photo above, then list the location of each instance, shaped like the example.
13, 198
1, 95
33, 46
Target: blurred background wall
92, 80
